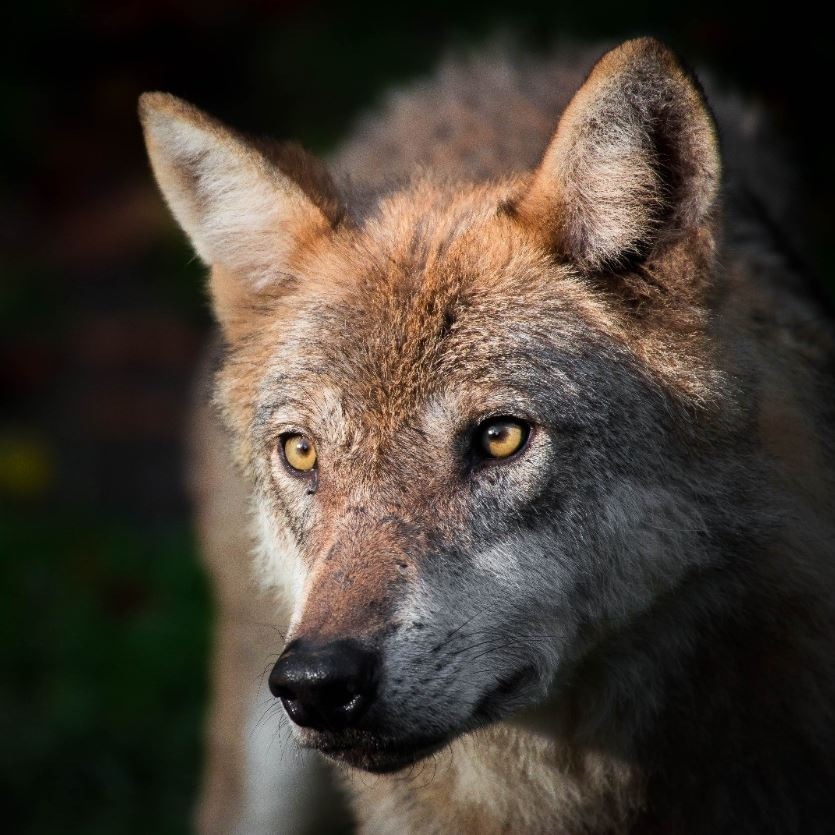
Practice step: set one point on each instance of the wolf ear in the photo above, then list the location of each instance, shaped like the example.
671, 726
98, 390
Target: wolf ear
634, 158
244, 207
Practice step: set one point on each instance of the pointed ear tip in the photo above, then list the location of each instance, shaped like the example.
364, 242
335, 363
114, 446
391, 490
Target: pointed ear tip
151, 105
647, 48
152, 101
154, 105
646, 43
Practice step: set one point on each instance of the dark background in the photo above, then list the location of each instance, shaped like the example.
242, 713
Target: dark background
104, 615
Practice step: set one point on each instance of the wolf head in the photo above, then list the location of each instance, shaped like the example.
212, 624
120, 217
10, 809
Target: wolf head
465, 408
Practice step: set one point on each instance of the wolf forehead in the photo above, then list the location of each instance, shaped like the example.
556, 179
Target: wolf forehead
625, 196
418, 301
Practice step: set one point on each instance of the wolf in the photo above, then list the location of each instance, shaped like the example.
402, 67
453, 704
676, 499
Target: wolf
524, 404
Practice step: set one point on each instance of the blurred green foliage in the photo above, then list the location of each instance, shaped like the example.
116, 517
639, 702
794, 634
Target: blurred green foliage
104, 635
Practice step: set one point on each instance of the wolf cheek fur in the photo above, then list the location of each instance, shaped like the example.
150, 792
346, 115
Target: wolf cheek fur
628, 625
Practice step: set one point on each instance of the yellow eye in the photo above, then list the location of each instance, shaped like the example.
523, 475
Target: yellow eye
300, 452
502, 437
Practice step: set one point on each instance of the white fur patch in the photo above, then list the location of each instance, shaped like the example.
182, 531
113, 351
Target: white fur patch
278, 563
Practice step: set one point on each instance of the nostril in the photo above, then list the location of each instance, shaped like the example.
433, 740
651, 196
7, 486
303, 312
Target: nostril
277, 686
283, 693
337, 694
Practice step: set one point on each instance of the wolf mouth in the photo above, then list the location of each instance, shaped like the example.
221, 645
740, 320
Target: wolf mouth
382, 756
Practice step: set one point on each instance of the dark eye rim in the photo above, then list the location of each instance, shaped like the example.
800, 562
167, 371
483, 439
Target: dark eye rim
480, 459
281, 442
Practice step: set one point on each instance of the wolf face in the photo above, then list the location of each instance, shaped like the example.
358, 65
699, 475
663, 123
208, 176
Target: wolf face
465, 409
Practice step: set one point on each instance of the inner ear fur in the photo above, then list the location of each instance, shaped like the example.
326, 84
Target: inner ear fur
634, 162
246, 206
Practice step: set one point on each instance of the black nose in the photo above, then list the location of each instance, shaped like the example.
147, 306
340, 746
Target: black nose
325, 686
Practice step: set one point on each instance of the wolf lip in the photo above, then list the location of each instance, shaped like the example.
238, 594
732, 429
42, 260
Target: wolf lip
383, 757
